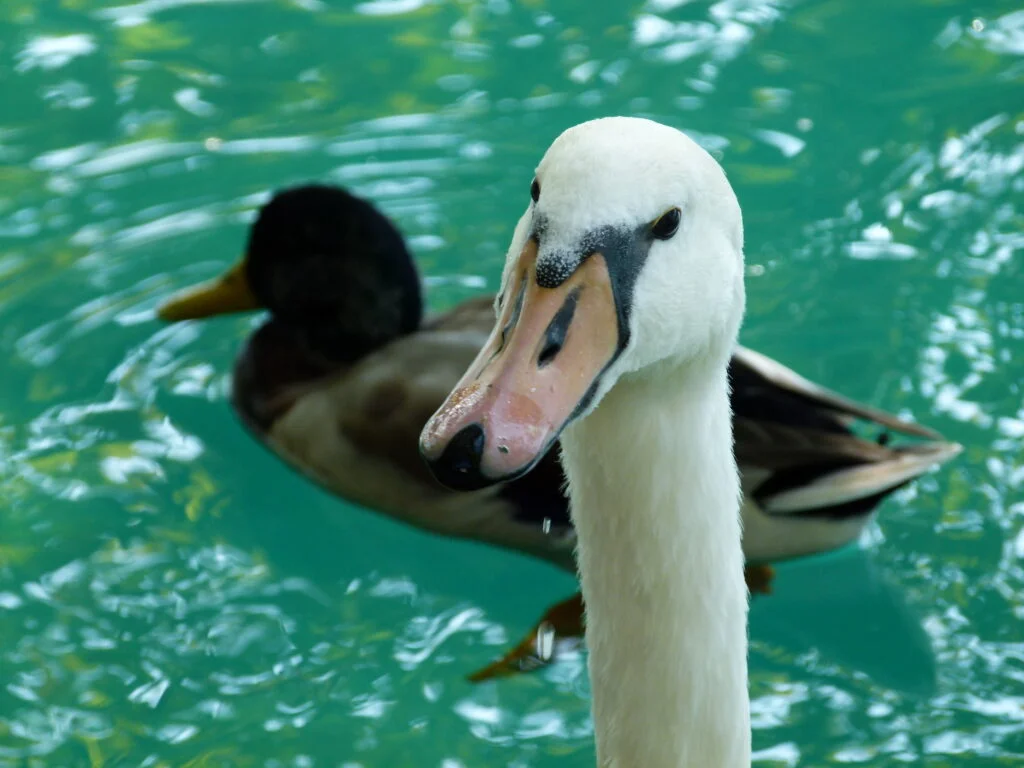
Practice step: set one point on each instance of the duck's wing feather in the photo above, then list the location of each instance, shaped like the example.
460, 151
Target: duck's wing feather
768, 385
811, 472
799, 454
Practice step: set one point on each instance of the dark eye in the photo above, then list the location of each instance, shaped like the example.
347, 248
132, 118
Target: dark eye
535, 190
667, 225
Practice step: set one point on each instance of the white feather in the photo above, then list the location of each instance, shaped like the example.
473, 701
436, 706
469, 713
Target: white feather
652, 478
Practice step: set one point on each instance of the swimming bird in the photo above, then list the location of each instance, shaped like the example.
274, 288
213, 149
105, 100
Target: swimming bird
340, 379
619, 310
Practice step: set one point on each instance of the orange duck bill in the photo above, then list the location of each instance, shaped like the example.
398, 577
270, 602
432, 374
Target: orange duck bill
540, 367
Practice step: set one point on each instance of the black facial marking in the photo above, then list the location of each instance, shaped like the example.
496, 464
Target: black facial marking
540, 227
554, 337
625, 251
556, 268
591, 393
535, 190
516, 311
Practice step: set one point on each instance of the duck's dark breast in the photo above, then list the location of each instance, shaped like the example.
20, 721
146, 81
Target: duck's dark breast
538, 496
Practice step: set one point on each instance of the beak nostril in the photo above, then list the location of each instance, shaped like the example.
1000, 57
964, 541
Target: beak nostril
558, 329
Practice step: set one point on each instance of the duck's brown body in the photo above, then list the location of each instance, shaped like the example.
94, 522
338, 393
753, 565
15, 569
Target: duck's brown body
810, 484
340, 384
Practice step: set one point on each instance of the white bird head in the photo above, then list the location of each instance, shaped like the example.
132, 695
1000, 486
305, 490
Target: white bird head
629, 254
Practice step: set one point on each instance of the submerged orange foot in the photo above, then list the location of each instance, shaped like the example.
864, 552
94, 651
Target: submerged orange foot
561, 621
564, 621
759, 579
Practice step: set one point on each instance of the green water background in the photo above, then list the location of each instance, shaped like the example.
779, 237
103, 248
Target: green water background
171, 595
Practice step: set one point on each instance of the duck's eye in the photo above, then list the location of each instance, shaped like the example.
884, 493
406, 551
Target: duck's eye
667, 224
535, 190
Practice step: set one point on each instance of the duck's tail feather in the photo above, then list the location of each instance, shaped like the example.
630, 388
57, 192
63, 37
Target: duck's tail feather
854, 490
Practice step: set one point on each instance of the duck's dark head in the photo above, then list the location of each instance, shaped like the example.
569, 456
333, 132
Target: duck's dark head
325, 263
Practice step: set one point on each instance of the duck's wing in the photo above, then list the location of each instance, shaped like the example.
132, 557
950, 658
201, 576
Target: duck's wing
766, 387
798, 450
803, 471
356, 433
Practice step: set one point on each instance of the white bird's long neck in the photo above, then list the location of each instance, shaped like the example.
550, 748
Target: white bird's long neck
655, 501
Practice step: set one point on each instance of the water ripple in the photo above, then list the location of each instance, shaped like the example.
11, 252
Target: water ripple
171, 595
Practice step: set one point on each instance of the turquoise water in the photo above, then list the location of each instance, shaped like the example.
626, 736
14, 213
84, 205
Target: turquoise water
171, 595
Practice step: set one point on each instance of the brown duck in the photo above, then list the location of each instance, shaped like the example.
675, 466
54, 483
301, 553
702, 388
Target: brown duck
346, 370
